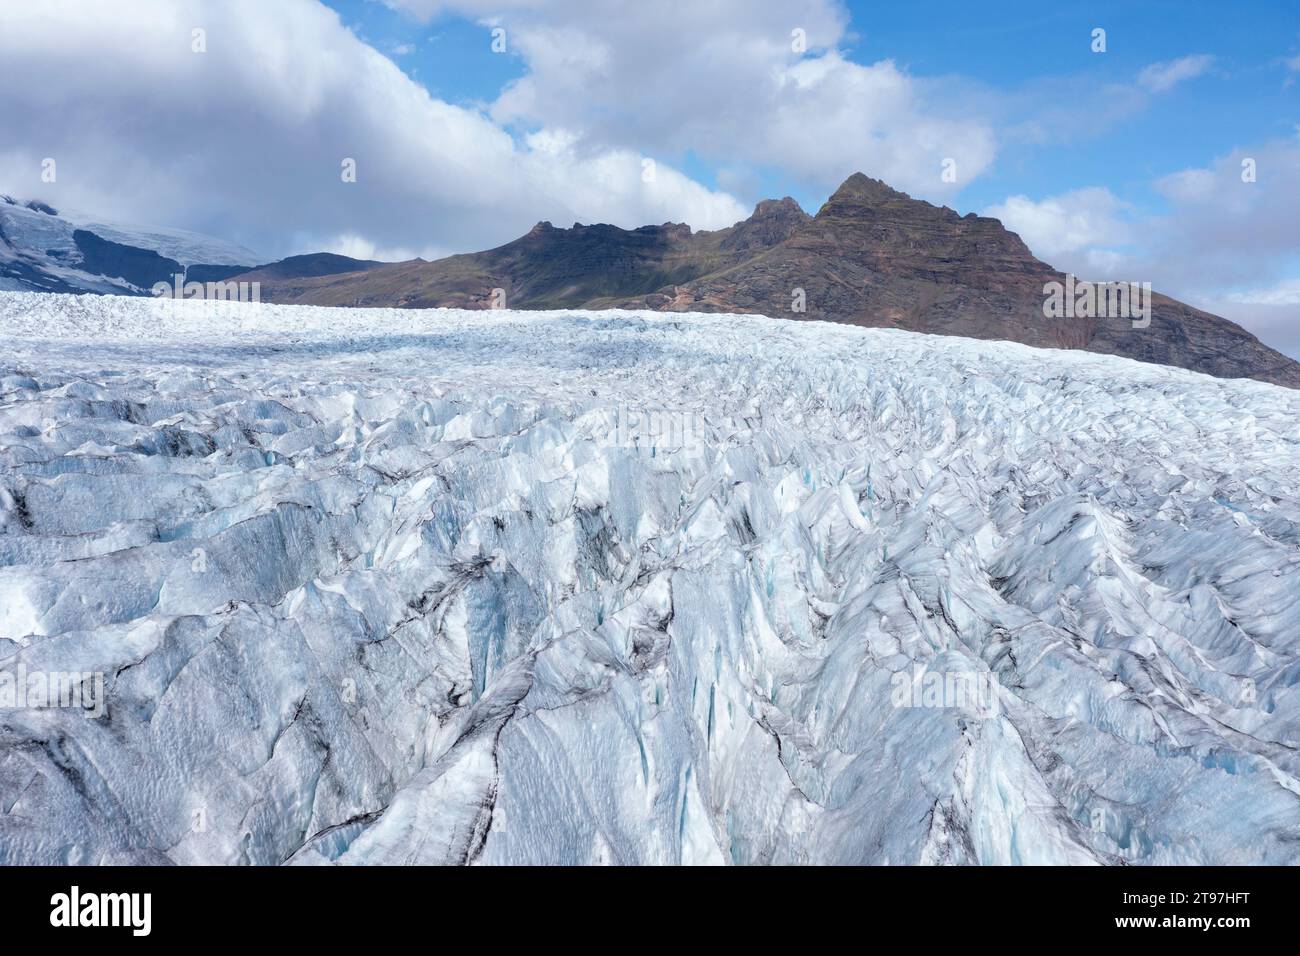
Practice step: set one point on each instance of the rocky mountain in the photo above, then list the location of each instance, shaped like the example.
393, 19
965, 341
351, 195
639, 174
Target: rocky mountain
871, 256
550, 268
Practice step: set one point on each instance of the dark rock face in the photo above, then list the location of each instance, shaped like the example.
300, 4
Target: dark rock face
140, 267
871, 256
143, 268
774, 221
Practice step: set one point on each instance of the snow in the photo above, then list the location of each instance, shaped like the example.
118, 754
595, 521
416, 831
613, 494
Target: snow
45, 243
384, 586
37, 232
187, 248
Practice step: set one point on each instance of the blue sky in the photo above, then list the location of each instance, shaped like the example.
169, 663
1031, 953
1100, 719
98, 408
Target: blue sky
1124, 164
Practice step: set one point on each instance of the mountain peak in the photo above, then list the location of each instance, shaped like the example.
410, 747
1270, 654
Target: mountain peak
782, 208
773, 221
859, 196
860, 186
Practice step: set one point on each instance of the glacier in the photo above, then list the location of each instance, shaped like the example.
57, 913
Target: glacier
447, 587
38, 242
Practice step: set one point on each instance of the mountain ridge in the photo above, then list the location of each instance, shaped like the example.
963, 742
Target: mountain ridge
871, 256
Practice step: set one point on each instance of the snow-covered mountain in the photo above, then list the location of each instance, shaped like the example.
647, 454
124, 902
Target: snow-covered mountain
45, 249
402, 586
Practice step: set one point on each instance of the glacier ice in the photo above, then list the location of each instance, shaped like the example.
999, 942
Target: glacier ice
384, 586
37, 241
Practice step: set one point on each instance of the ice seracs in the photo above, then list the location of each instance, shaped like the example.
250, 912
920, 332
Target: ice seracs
488, 587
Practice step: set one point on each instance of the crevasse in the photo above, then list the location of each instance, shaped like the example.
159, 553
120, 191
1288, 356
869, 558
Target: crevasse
381, 586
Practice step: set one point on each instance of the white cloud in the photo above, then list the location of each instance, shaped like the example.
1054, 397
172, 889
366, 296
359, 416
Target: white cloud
1223, 244
722, 81
360, 247
1161, 77
1223, 231
247, 139
1218, 231
1075, 231
1286, 292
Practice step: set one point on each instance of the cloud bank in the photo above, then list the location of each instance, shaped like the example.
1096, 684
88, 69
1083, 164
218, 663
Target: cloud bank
248, 138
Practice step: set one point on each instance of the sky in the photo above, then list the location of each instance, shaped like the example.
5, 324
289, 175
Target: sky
1166, 149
